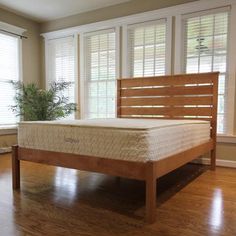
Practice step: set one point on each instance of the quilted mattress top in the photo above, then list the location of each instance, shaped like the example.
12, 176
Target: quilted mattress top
118, 123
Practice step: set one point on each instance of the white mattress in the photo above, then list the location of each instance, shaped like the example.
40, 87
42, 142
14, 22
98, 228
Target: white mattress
139, 140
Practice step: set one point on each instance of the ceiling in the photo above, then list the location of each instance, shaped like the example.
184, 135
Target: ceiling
45, 10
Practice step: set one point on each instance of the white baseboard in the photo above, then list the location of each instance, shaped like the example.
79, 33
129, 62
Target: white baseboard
222, 163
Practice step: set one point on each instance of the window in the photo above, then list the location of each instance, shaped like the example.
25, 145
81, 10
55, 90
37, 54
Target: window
147, 49
100, 74
9, 70
206, 50
61, 64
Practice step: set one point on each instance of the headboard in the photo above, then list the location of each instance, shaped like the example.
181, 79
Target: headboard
187, 96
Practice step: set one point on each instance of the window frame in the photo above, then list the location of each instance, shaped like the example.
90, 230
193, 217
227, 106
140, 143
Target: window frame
126, 64
231, 58
82, 82
184, 54
47, 41
13, 30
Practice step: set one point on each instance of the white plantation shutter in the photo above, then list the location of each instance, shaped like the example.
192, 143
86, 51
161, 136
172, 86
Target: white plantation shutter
61, 64
9, 70
206, 50
147, 48
100, 74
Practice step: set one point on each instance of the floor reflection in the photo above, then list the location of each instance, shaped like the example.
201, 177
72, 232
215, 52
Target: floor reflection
216, 218
66, 182
8, 200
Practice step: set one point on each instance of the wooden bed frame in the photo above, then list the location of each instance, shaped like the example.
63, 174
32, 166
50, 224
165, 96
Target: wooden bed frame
191, 96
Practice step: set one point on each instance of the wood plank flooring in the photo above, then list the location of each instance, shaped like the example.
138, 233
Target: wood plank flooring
192, 201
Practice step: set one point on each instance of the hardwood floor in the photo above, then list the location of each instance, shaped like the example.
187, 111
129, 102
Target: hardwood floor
192, 201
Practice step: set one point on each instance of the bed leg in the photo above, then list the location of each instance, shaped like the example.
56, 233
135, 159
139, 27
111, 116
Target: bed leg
15, 168
213, 159
150, 194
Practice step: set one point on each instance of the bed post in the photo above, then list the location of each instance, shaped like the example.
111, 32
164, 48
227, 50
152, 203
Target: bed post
15, 168
214, 119
213, 159
118, 101
150, 193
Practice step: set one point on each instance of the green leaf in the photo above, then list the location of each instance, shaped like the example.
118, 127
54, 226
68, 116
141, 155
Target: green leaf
33, 103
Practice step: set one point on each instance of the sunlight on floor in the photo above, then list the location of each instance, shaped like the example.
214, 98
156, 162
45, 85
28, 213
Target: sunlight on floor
216, 215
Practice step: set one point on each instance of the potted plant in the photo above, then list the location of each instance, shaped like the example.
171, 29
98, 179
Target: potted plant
33, 103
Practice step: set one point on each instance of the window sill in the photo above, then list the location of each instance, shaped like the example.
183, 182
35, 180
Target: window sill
226, 139
6, 130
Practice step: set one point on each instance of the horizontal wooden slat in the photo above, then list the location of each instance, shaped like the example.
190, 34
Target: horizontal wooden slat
166, 117
168, 80
183, 90
167, 111
166, 101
